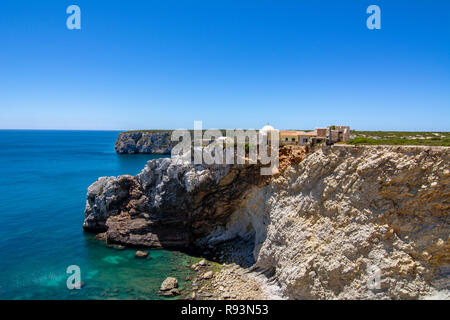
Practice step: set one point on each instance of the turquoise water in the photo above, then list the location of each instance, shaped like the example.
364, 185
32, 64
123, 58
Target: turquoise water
44, 177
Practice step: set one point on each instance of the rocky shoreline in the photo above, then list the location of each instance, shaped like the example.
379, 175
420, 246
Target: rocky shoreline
230, 282
216, 280
314, 231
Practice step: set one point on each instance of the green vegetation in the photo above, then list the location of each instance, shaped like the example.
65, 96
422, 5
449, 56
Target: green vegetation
400, 138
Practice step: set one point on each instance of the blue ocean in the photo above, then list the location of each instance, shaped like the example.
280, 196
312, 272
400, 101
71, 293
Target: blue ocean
44, 178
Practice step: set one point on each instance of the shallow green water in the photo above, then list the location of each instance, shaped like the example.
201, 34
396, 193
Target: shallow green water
45, 175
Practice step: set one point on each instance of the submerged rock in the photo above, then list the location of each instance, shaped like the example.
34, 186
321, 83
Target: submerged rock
141, 254
171, 293
101, 236
116, 246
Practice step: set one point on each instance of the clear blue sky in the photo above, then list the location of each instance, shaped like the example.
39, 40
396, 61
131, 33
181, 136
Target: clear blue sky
235, 63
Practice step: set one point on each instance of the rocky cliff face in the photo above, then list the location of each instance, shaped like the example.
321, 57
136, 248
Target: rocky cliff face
157, 142
320, 228
324, 226
168, 204
171, 203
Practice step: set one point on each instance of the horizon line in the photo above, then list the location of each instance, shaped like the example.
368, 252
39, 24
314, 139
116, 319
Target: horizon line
168, 129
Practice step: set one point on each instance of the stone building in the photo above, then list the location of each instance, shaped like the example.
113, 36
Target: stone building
338, 134
331, 134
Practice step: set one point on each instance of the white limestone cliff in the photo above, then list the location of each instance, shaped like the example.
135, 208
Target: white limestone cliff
323, 226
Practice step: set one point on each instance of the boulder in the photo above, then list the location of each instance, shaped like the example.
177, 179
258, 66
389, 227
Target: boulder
169, 284
202, 263
101, 236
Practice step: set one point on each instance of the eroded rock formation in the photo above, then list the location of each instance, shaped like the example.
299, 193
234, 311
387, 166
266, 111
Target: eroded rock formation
168, 204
